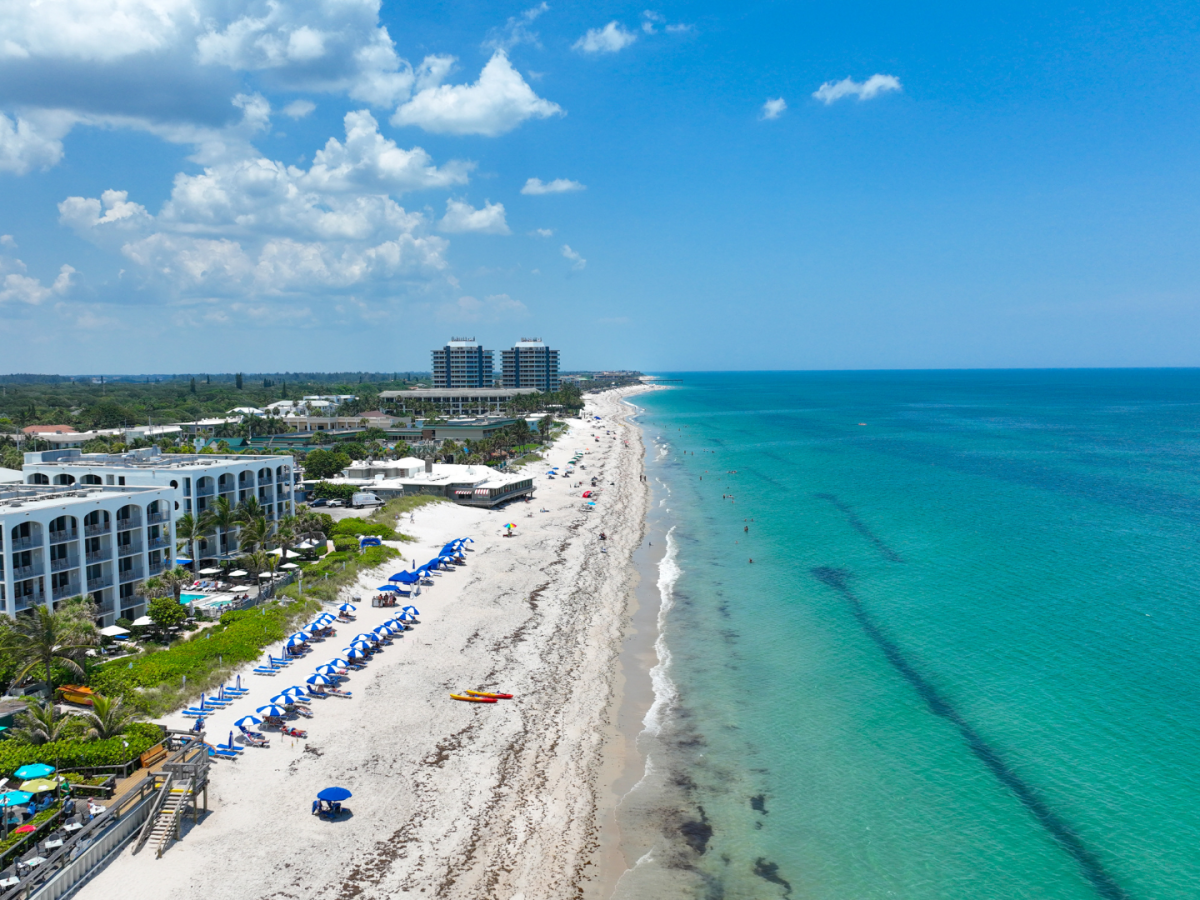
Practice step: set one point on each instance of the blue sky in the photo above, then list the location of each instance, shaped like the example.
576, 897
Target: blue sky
192, 185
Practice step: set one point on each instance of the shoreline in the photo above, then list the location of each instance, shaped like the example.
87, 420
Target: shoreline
450, 800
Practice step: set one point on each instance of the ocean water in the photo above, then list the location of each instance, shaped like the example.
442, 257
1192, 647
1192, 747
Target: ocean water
964, 660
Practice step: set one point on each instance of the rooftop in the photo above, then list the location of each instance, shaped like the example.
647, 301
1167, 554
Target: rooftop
418, 393
149, 458
40, 496
48, 429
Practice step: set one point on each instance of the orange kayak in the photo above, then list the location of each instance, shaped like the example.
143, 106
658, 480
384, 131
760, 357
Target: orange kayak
489, 694
473, 699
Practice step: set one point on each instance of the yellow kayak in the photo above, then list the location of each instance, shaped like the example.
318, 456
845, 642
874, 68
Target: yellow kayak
489, 694
472, 699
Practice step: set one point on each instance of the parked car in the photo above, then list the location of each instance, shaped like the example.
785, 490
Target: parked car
319, 503
336, 503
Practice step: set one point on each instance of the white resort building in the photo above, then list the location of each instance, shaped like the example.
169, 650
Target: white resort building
194, 482
61, 541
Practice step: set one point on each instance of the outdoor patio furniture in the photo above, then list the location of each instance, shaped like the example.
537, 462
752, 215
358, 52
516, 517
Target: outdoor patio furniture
8, 878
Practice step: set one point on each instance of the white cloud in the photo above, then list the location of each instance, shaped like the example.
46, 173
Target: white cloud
17, 287
492, 308
498, 102
650, 19
536, 186
831, 91
773, 109
542, 232
36, 143
609, 39
462, 217
254, 228
516, 30
298, 109
577, 262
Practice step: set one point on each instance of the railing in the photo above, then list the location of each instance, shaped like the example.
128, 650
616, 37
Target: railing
152, 814
24, 543
130, 575
129, 549
128, 523
22, 572
205, 492
59, 565
65, 590
156, 567
57, 537
93, 556
28, 601
157, 518
156, 543
96, 584
94, 530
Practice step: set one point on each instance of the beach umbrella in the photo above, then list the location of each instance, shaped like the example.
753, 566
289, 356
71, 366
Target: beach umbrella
348, 607
293, 691
383, 629
238, 573
413, 610
363, 636
38, 785
295, 643
279, 551
282, 699
319, 679
302, 635
353, 653
247, 721
386, 588
336, 661
327, 669
271, 710
334, 795
289, 566
406, 577
142, 621
35, 770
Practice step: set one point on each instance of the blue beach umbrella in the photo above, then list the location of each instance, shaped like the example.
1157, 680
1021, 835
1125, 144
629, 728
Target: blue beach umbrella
412, 609
282, 699
348, 607
319, 679
338, 662
271, 710
360, 646
334, 795
364, 636
353, 653
295, 643
34, 770
387, 587
15, 798
293, 691
327, 669
247, 721
326, 618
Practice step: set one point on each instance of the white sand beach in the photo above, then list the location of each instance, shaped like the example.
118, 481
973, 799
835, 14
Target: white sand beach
451, 799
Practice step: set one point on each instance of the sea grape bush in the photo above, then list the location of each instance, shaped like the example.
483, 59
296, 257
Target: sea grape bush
76, 754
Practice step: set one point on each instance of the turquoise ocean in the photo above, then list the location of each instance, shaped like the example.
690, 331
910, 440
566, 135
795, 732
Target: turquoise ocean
964, 660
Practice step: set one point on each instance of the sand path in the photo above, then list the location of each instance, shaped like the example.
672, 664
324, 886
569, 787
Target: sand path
450, 799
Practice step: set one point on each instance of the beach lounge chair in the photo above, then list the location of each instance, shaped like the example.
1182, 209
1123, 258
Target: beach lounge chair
279, 663
265, 671
220, 753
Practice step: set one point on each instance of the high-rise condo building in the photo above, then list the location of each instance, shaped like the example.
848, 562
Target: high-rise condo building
462, 363
530, 364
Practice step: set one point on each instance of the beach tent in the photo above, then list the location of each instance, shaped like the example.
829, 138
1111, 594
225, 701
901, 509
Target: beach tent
406, 577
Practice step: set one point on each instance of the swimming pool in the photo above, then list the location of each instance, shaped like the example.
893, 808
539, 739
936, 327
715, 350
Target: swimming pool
191, 598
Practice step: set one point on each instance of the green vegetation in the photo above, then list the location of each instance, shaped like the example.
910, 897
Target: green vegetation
43, 640
79, 754
357, 527
324, 578
394, 509
166, 612
326, 491
153, 683
325, 463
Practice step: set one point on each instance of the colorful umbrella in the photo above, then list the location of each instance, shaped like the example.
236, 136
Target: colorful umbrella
38, 785
35, 770
247, 721
271, 710
319, 679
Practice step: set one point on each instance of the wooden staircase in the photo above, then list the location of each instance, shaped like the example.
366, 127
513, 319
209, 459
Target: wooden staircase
165, 826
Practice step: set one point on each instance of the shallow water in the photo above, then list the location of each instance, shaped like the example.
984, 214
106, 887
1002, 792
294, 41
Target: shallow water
963, 660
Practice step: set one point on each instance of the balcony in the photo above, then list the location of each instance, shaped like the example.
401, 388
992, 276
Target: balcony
25, 543
95, 530
97, 584
61, 565
95, 556
130, 575
158, 518
22, 572
66, 590
157, 543
29, 601
129, 549
205, 492
58, 537
128, 523
157, 567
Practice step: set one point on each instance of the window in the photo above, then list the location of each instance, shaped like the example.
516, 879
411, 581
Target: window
108, 479
121, 480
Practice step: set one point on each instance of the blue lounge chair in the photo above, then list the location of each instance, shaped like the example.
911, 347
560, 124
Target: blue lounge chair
265, 671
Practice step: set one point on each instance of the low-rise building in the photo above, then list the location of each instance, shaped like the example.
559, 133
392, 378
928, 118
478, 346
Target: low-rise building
61, 541
195, 481
455, 401
467, 485
207, 426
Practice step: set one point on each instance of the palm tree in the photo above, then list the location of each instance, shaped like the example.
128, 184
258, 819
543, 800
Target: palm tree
189, 529
43, 639
285, 537
169, 584
108, 718
39, 724
225, 518
249, 510
254, 534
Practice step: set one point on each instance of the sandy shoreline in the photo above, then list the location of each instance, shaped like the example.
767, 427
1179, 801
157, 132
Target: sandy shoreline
450, 799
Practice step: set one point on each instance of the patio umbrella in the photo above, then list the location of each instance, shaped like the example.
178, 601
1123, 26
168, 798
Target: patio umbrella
209, 572
247, 721
142, 621
271, 710
238, 573
38, 785
334, 795
264, 574
319, 679
348, 607
289, 566
113, 631
34, 770
15, 798
278, 551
